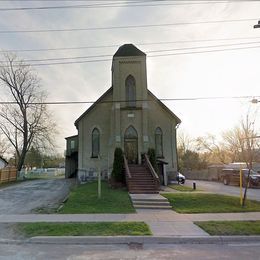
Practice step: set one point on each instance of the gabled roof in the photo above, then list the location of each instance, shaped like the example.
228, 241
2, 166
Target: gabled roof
110, 90
92, 106
165, 107
128, 50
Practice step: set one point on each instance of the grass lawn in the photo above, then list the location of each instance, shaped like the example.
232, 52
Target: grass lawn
230, 228
208, 203
84, 199
181, 187
83, 229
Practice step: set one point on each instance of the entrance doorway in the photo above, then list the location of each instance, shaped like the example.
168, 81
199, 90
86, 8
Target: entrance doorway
131, 145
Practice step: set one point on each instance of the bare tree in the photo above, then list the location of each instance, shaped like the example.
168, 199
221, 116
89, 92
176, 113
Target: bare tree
243, 145
185, 142
232, 144
26, 121
3, 146
249, 144
188, 157
215, 148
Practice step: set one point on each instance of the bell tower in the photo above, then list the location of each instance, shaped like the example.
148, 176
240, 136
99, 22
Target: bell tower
129, 81
129, 70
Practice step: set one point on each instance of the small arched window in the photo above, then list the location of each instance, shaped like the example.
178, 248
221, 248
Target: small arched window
95, 143
130, 91
158, 142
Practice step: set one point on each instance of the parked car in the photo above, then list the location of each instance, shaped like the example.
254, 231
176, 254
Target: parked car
180, 178
232, 176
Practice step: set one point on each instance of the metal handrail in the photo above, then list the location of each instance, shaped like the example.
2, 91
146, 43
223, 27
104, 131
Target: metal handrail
128, 174
155, 175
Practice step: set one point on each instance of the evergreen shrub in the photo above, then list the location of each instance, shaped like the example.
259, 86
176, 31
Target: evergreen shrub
118, 166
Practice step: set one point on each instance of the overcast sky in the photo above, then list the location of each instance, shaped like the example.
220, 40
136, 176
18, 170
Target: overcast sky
173, 74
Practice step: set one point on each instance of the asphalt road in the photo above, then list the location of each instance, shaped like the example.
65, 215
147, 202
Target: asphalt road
116, 252
26, 196
220, 188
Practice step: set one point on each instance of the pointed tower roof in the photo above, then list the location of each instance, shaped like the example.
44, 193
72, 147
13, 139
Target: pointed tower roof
128, 50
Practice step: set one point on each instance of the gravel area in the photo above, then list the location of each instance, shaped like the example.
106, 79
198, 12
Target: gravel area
43, 195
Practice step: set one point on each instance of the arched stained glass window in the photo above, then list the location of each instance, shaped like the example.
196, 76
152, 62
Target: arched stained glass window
130, 133
158, 142
95, 143
130, 91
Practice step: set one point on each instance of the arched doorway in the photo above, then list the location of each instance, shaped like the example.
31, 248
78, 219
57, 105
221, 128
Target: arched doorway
131, 145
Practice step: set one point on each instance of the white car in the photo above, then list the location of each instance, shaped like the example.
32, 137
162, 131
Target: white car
180, 178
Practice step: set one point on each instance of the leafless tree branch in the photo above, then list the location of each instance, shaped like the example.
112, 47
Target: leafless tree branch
24, 124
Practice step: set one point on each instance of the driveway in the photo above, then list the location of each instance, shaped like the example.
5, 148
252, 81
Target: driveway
220, 188
24, 197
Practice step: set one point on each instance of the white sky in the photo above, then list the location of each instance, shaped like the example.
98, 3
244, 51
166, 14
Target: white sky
227, 73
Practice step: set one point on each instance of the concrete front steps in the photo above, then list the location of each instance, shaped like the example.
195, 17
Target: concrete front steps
142, 180
150, 201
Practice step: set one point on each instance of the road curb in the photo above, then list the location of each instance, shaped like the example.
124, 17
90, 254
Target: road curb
110, 240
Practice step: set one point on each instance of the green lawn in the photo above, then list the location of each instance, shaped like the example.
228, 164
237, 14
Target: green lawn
208, 203
84, 199
83, 229
181, 187
230, 228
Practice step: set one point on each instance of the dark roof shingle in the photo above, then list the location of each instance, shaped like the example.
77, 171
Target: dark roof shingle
128, 50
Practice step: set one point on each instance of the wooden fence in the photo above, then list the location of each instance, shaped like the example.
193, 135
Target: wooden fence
8, 174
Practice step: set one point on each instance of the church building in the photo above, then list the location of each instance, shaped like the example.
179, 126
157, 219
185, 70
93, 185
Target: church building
128, 116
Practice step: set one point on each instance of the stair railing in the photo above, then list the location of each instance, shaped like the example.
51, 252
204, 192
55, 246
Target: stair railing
153, 172
127, 171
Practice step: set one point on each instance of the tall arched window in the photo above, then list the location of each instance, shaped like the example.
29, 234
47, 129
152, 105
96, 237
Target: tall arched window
130, 91
158, 142
95, 143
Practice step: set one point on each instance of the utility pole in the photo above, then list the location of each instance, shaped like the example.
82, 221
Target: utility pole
257, 25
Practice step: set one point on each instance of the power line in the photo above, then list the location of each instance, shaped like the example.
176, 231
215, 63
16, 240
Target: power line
61, 63
154, 3
203, 51
67, 58
116, 45
152, 51
20, 1
128, 26
150, 56
159, 0
95, 5
206, 51
209, 46
137, 100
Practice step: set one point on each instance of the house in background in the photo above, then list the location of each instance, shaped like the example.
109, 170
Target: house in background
128, 116
3, 162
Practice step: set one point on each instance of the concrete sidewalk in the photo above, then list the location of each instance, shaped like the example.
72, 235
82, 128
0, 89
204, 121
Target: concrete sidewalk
161, 222
141, 215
